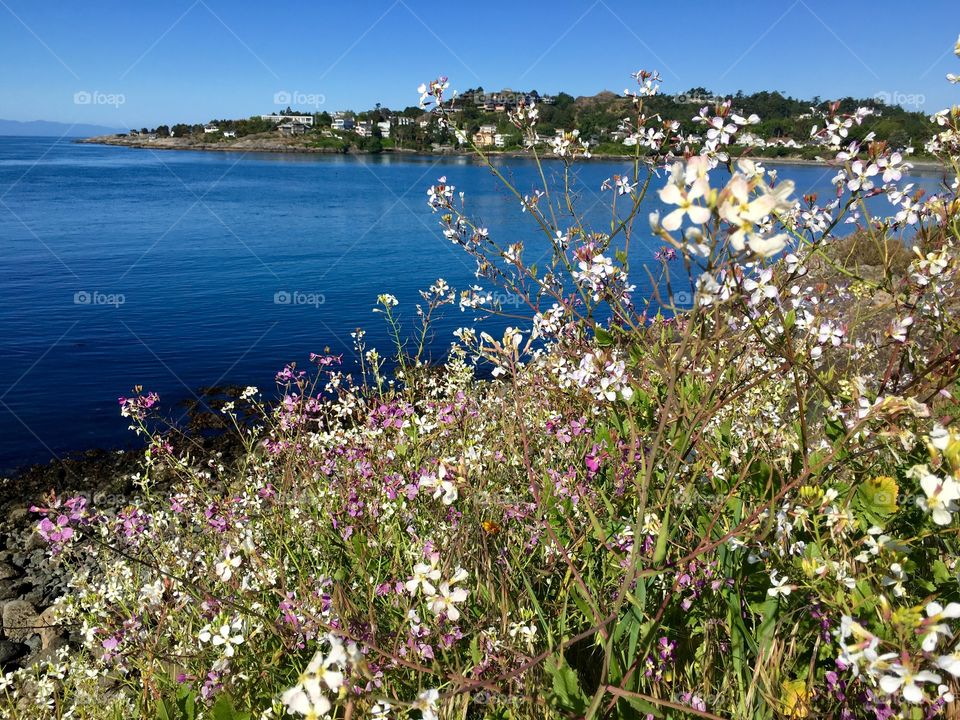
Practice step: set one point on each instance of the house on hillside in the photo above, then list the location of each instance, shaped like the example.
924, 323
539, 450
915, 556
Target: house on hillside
290, 129
343, 121
229, 133
364, 128
210, 129
295, 119
485, 136
384, 127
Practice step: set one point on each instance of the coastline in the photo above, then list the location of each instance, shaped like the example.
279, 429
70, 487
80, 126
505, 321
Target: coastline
275, 145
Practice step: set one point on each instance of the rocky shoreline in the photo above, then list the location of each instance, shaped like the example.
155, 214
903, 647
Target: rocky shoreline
264, 143
30, 580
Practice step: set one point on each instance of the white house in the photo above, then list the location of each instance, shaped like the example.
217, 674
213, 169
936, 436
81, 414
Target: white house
499, 140
342, 121
384, 128
364, 128
230, 133
209, 129
295, 119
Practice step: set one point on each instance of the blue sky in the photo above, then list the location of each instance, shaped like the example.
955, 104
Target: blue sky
193, 60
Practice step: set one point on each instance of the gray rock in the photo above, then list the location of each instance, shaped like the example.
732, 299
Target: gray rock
35, 542
52, 635
20, 620
10, 589
10, 652
8, 571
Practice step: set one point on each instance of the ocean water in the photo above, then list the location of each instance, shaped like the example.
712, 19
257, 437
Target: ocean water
123, 267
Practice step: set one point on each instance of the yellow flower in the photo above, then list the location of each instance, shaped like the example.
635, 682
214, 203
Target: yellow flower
880, 494
810, 495
795, 699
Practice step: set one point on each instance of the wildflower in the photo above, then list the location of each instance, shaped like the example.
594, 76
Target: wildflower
861, 176
744, 213
895, 579
898, 328
623, 184
432, 92
225, 567
768, 246
152, 593
779, 586
903, 678
951, 662
307, 699
447, 595
935, 629
55, 532
676, 193
324, 672
942, 495
426, 703
423, 577
380, 710
442, 488
228, 635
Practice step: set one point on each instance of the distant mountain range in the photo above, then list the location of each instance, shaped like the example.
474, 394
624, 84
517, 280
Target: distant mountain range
55, 129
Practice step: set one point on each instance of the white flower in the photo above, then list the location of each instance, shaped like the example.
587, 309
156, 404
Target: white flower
676, 193
380, 710
935, 613
227, 635
323, 673
444, 601
941, 497
423, 577
768, 246
744, 214
307, 699
904, 677
898, 328
225, 567
779, 586
951, 662
426, 703
152, 593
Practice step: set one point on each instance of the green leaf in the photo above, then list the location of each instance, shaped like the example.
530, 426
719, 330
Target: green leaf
604, 338
187, 702
223, 710
166, 711
940, 572
566, 694
645, 708
660, 552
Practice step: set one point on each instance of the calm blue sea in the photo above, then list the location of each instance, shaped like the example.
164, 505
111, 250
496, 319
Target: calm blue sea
199, 245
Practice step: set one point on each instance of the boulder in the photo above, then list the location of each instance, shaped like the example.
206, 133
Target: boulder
52, 635
20, 620
10, 653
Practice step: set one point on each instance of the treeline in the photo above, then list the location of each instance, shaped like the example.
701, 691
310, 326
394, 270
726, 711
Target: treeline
598, 117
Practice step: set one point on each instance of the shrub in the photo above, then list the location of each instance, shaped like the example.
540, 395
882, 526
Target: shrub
732, 508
